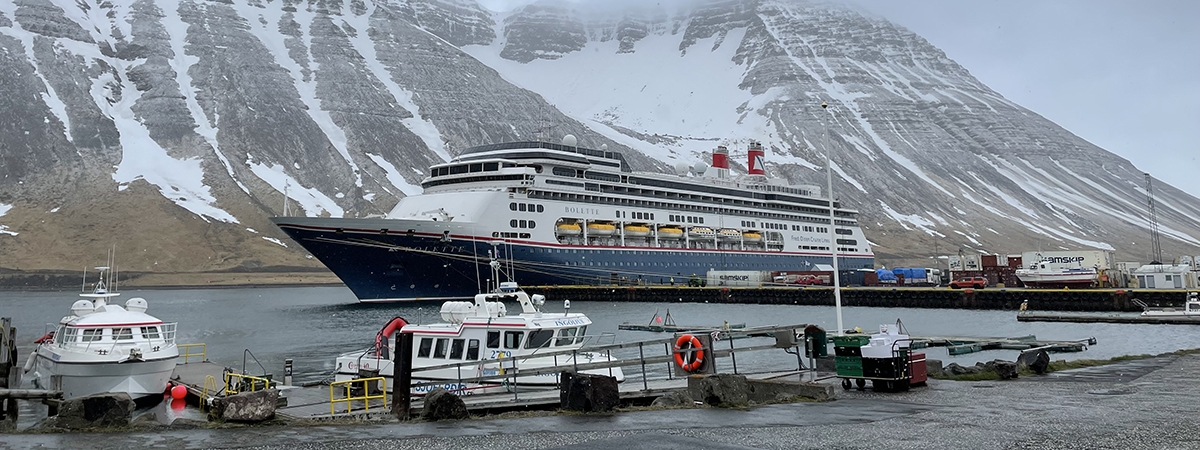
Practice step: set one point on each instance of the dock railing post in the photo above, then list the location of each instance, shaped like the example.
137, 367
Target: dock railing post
402, 377
670, 372
642, 359
732, 355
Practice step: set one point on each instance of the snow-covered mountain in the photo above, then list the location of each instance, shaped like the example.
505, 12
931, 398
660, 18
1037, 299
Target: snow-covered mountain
172, 129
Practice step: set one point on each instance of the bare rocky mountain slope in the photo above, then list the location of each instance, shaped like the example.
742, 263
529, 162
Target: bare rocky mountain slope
172, 129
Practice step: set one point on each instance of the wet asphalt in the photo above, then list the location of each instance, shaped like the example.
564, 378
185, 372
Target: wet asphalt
1146, 404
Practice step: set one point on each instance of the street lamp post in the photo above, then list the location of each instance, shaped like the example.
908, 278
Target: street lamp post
837, 288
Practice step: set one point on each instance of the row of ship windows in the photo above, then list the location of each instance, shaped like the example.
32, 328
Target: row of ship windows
510, 235
640, 252
525, 207
650, 204
466, 168
687, 219
522, 223
442, 348
667, 264
636, 215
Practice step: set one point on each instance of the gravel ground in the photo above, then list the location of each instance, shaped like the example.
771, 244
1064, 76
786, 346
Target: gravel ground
1149, 404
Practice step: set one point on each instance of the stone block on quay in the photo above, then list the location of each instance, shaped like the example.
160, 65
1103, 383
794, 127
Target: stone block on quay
250, 407
588, 393
441, 404
95, 411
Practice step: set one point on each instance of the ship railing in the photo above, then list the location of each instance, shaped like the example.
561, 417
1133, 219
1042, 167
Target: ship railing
513, 365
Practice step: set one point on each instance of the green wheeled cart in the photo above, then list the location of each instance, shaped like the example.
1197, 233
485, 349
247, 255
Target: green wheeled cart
886, 374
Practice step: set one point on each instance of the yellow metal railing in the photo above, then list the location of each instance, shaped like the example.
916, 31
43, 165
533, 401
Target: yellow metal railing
210, 385
186, 350
366, 397
242, 379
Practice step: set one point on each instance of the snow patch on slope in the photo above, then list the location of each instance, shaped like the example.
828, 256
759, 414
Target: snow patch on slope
181, 181
176, 32
361, 41
50, 96
694, 95
313, 201
268, 33
4, 228
917, 221
394, 177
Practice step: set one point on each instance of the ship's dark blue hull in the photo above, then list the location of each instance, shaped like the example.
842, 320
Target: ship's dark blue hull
425, 266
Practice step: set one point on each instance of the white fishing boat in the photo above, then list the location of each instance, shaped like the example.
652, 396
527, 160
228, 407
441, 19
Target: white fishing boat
1043, 275
1191, 308
482, 331
103, 347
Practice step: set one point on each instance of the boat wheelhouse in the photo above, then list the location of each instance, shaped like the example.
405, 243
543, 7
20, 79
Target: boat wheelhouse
478, 340
560, 214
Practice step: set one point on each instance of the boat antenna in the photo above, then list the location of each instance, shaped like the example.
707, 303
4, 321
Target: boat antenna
833, 249
286, 184
1155, 248
83, 287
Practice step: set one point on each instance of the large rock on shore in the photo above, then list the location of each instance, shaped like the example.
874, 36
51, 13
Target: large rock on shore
1038, 360
441, 404
251, 407
95, 411
588, 393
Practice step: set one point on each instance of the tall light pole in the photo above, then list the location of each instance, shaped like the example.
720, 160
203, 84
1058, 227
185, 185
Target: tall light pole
837, 285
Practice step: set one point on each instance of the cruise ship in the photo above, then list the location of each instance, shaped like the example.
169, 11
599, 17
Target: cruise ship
560, 214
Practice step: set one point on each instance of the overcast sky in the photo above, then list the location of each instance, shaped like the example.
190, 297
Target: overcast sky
1123, 75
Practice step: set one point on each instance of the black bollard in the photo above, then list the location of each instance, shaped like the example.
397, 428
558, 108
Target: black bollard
402, 377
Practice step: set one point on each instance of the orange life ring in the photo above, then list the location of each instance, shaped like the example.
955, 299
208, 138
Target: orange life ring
694, 348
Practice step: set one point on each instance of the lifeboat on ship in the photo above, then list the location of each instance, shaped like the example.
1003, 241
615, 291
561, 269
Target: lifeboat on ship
601, 229
729, 233
636, 230
701, 232
670, 233
568, 229
752, 236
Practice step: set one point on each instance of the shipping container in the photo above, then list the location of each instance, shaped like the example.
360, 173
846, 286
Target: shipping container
743, 278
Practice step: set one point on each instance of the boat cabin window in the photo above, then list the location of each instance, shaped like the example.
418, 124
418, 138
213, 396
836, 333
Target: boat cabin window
149, 332
512, 339
1194, 307
539, 338
456, 348
440, 350
425, 347
473, 350
67, 335
566, 336
122, 334
92, 334
493, 339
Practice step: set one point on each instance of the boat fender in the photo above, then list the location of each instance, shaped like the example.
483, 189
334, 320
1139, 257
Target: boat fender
695, 351
30, 362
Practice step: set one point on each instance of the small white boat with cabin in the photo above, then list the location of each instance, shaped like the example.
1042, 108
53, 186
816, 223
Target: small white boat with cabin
1191, 308
483, 331
102, 347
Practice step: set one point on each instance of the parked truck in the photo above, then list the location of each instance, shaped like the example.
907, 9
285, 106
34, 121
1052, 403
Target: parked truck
918, 276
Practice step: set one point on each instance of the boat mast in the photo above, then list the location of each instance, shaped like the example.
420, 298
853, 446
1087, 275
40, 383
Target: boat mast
837, 289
